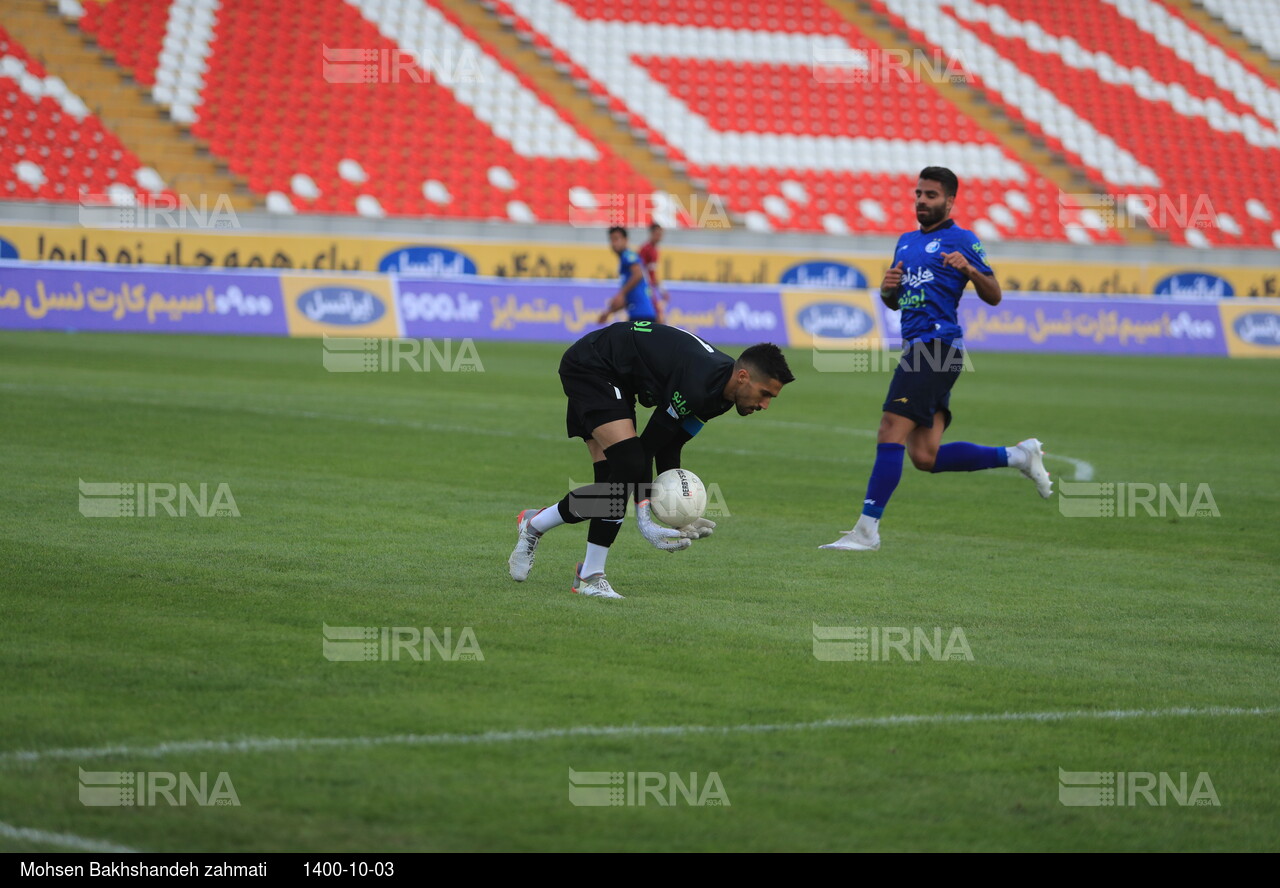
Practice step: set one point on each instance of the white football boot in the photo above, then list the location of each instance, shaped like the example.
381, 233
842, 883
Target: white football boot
1033, 466
521, 560
594, 586
865, 537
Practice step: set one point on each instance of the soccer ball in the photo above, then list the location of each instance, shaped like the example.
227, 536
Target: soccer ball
677, 497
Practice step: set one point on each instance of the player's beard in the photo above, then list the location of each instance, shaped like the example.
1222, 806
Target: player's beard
927, 216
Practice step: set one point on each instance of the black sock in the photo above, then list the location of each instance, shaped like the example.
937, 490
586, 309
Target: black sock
586, 502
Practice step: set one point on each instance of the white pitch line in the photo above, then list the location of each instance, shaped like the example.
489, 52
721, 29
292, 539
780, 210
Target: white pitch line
281, 744
1084, 470
62, 840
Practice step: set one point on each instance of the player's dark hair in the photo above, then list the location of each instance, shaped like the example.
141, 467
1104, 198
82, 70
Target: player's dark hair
944, 177
654, 226
767, 361
618, 228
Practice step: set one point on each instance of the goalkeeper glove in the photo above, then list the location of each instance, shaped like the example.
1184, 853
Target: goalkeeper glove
699, 528
660, 537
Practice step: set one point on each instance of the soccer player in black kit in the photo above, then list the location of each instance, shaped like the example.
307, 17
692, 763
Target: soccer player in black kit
688, 382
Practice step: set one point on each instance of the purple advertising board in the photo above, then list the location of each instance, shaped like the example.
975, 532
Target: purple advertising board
492, 308
119, 298
125, 299
1111, 326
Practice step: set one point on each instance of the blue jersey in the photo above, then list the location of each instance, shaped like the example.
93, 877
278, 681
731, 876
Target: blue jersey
929, 295
639, 303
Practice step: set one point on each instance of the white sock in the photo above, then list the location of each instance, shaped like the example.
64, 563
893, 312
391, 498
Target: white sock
594, 562
1017, 456
869, 525
547, 519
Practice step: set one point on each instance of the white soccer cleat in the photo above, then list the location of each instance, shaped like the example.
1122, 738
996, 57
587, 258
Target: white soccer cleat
594, 586
521, 560
860, 539
1033, 467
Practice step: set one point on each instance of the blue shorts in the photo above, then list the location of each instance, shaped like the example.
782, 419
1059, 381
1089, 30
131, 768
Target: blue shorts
922, 382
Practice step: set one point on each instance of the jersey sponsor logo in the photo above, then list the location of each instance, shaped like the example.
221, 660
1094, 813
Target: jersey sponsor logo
7, 250
916, 278
349, 306
933, 246
836, 275
435, 261
977, 248
1258, 328
678, 401
835, 319
1194, 285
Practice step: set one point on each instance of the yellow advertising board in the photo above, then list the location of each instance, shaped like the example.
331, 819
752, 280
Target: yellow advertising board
354, 307
1252, 329
823, 319
514, 259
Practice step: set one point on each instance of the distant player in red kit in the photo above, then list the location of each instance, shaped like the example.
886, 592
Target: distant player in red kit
649, 261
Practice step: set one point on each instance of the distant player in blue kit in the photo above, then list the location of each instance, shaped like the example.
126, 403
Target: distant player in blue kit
635, 295
932, 267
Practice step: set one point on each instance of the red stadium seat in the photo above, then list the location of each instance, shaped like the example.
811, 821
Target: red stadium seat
796, 139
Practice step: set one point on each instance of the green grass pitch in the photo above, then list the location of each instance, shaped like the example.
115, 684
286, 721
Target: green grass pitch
387, 500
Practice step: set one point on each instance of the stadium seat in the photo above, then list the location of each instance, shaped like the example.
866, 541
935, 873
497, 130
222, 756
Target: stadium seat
1166, 120
423, 98
786, 112
54, 148
751, 97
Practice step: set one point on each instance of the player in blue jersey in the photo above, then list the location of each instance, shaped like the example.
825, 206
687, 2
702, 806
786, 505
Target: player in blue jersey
931, 268
635, 295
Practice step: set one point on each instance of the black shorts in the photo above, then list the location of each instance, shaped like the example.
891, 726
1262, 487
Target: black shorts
594, 399
922, 382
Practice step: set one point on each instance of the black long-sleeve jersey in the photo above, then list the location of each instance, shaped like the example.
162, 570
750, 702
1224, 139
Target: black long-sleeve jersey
666, 368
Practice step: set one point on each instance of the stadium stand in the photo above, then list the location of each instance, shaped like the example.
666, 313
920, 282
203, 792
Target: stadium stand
789, 113
792, 114
1256, 19
1154, 110
477, 141
52, 148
